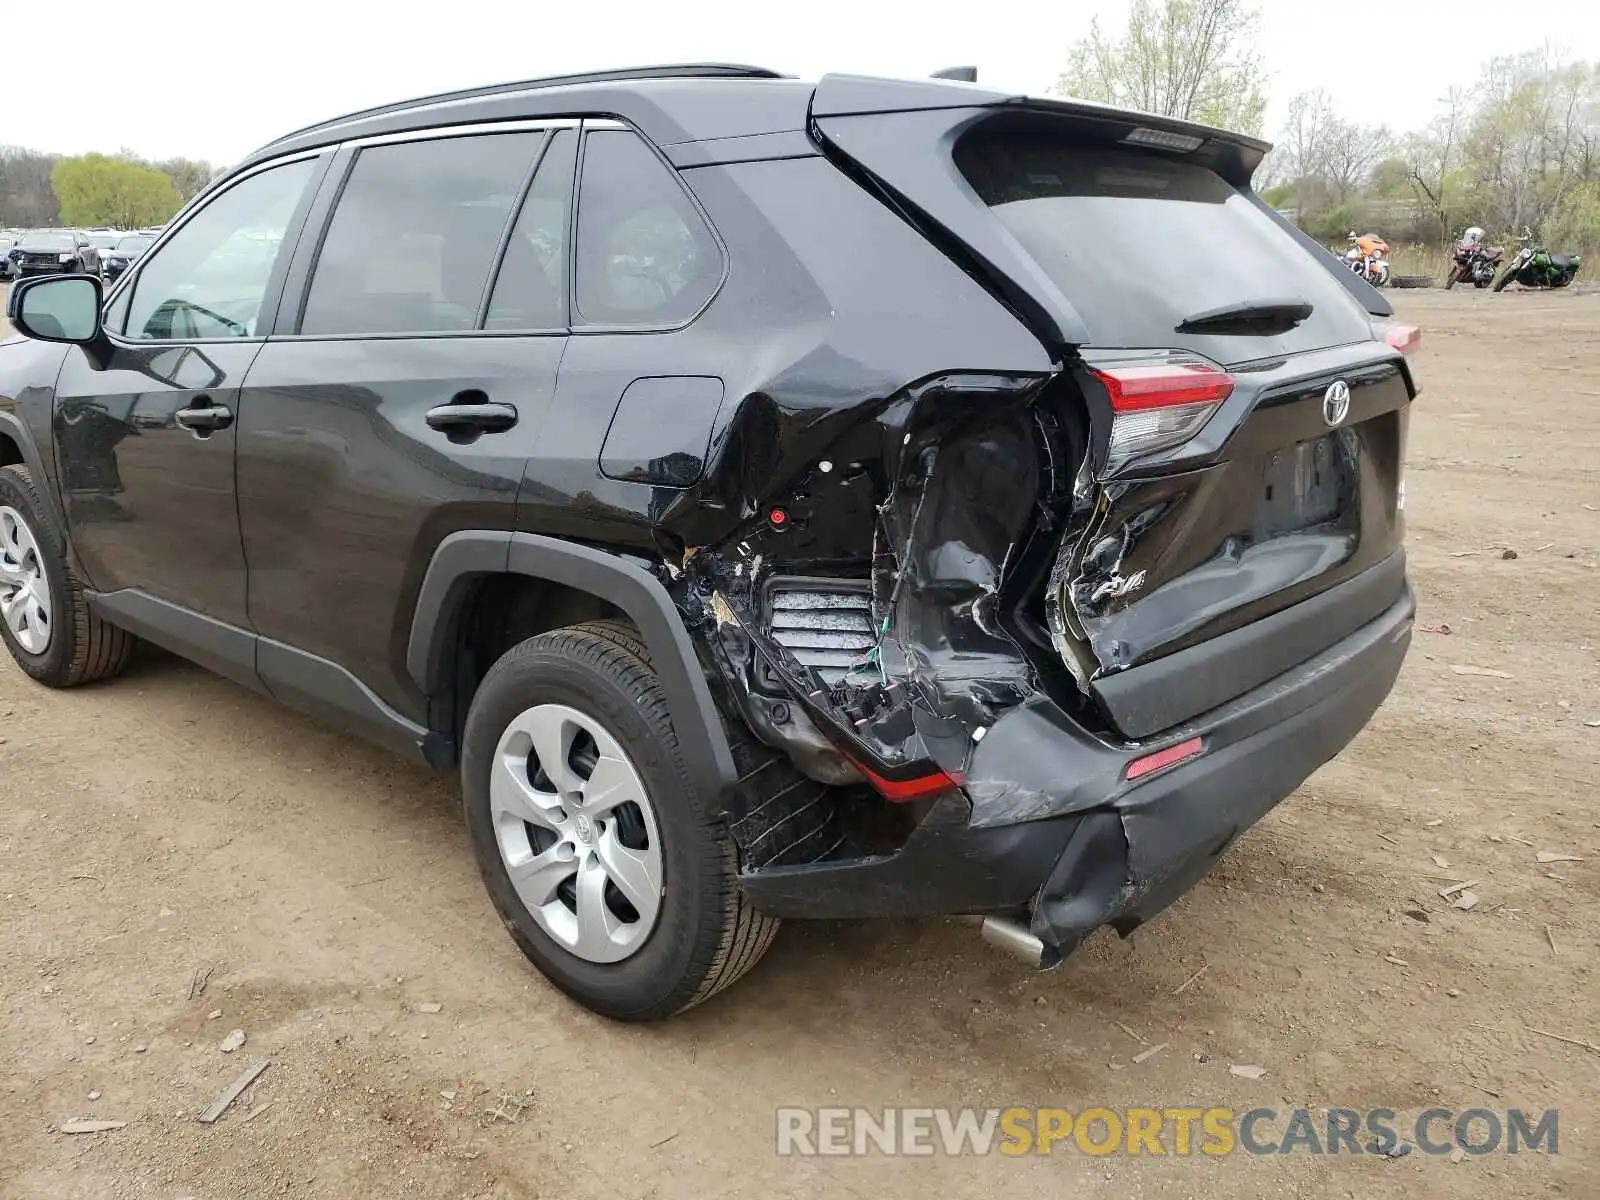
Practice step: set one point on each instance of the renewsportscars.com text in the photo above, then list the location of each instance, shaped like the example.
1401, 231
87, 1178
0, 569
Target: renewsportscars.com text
1013, 1132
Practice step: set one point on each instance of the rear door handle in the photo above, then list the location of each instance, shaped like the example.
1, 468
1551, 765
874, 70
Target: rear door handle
467, 418
204, 418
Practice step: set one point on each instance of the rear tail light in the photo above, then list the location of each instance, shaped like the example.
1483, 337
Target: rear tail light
1404, 338
1159, 403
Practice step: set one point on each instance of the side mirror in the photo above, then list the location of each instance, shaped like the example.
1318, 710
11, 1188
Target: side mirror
64, 308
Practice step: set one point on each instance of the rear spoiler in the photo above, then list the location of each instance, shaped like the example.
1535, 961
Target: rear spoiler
905, 155
1234, 156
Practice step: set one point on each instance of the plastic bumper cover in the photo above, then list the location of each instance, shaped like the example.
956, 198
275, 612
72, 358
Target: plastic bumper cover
1049, 822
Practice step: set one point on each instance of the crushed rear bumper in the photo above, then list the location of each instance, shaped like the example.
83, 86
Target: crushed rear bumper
1047, 822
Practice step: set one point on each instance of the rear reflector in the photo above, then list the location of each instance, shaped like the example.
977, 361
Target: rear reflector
1158, 403
901, 790
1172, 755
1404, 338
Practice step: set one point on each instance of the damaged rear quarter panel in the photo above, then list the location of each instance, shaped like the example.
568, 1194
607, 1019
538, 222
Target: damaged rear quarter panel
873, 392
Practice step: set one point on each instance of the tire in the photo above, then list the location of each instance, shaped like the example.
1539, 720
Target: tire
703, 935
1500, 283
1413, 281
1452, 276
80, 647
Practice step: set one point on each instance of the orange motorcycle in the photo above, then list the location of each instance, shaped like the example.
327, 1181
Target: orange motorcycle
1368, 257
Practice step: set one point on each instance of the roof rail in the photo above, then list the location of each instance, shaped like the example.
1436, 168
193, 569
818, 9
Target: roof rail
668, 71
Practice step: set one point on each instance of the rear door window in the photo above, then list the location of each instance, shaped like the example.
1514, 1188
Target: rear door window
530, 290
645, 254
1138, 242
415, 233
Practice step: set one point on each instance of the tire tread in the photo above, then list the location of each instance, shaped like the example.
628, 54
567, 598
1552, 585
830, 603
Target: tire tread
747, 934
100, 650
732, 935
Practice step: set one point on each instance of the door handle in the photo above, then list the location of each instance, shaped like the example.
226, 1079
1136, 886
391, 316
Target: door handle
204, 418
470, 418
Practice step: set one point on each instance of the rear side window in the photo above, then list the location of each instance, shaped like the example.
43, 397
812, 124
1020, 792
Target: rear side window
1138, 242
414, 235
645, 254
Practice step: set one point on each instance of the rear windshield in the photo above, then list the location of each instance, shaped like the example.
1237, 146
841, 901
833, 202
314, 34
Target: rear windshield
131, 245
1138, 242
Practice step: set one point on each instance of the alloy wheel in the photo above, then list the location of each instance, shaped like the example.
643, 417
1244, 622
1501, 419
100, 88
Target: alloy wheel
24, 588
576, 832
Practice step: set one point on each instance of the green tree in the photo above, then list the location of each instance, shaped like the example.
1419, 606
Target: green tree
95, 189
1181, 58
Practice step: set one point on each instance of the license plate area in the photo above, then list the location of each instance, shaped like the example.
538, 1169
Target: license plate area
1307, 485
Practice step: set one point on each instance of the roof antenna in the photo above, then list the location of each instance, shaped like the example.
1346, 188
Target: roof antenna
961, 74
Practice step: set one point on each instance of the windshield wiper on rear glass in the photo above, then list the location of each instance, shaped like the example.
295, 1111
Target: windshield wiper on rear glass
1248, 316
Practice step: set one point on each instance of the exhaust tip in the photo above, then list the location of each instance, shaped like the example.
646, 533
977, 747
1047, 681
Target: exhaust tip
1014, 938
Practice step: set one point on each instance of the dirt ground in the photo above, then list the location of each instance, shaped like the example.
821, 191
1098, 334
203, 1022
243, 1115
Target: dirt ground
172, 846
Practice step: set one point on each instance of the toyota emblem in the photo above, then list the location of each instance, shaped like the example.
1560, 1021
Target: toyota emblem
1336, 403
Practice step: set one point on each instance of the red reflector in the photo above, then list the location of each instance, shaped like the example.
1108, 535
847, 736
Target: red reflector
1134, 387
778, 517
1140, 767
900, 790
1404, 338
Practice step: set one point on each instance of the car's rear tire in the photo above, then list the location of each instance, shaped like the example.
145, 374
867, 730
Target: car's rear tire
44, 620
588, 695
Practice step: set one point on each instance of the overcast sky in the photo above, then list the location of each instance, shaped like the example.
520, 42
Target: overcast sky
215, 81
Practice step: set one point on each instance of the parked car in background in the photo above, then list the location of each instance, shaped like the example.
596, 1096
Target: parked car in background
102, 240
776, 499
7, 268
125, 253
54, 252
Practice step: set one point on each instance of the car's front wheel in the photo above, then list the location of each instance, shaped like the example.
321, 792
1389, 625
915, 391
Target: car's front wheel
614, 875
45, 621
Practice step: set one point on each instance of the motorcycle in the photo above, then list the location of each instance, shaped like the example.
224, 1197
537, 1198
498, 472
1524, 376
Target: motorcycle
1536, 267
1473, 260
1368, 257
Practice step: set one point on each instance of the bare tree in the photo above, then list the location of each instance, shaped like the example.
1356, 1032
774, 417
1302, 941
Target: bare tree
1432, 155
1304, 138
26, 197
1352, 153
1182, 58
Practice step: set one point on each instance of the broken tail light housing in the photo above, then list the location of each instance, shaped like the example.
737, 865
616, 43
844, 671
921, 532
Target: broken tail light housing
1158, 403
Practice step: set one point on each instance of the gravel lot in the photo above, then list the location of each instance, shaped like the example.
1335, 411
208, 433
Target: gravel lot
172, 846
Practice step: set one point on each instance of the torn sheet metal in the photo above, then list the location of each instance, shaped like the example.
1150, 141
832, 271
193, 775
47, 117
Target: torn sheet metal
870, 592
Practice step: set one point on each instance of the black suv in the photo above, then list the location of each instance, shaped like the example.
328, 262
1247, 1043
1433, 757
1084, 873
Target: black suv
53, 252
777, 499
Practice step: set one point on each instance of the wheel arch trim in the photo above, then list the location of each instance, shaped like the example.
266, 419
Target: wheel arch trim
13, 429
463, 559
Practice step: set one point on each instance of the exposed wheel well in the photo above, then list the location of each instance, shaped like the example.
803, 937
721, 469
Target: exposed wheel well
10, 452
503, 610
